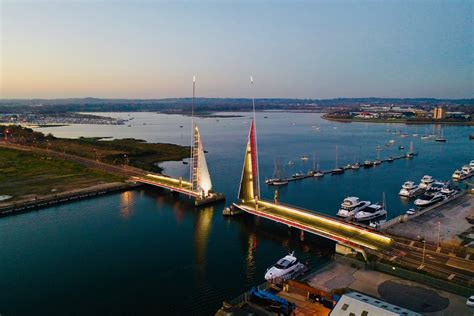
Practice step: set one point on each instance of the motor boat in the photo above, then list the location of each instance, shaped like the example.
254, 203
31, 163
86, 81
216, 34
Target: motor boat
290, 163
464, 173
392, 141
426, 181
368, 164
377, 162
401, 147
471, 164
370, 212
425, 137
448, 190
390, 159
410, 189
351, 205
467, 171
304, 158
284, 268
434, 187
298, 175
411, 211
271, 302
429, 199
457, 175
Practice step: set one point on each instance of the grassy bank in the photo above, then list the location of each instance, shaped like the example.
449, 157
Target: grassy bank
26, 175
133, 152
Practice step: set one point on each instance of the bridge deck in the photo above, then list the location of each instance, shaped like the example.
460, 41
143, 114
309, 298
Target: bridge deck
169, 183
318, 224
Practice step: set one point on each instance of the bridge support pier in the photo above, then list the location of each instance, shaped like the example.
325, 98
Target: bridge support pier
347, 250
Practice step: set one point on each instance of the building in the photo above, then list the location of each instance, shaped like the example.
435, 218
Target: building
358, 304
439, 113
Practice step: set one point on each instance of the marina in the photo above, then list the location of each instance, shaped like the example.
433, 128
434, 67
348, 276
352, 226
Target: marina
250, 246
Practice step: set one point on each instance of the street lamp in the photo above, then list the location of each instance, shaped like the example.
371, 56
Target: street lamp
439, 234
424, 249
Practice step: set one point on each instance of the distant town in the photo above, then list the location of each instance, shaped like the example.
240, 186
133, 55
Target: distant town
398, 114
43, 112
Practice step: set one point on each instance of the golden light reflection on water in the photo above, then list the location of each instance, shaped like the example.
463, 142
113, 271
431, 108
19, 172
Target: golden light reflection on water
250, 258
202, 230
126, 204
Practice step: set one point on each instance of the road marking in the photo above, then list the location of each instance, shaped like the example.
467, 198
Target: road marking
467, 256
438, 249
393, 258
451, 276
412, 243
421, 267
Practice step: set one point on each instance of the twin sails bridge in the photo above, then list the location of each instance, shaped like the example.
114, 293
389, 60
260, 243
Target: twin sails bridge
347, 234
199, 187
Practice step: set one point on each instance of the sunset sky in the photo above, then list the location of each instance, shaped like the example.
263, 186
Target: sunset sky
304, 49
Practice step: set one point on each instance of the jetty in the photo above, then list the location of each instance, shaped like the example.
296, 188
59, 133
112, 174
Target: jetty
310, 174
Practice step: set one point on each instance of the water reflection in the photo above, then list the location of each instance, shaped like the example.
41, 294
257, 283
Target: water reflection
127, 199
250, 258
202, 229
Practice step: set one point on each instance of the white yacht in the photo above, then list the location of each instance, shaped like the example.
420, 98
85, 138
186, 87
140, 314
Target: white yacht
351, 205
410, 189
467, 171
434, 187
471, 164
284, 267
411, 211
429, 199
448, 191
298, 175
370, 212
426, 181
456, 175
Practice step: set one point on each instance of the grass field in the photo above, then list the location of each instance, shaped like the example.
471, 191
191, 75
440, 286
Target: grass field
25, 174
134, 152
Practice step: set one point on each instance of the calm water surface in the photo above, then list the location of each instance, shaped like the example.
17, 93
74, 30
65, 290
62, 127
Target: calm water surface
146, 251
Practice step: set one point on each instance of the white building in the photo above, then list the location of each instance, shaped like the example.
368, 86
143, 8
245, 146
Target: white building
358, 304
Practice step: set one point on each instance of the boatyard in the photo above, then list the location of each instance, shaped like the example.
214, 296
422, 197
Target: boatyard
318, 292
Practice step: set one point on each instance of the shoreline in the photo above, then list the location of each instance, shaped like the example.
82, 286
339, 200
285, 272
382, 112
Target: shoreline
18, 207
396, 121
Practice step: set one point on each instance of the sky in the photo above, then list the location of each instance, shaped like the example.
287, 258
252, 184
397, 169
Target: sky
293, 49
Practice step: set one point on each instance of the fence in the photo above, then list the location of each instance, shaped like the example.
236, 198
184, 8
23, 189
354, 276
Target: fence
410, 275
404, 217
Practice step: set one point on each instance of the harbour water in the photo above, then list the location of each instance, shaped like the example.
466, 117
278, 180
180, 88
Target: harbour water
147, 251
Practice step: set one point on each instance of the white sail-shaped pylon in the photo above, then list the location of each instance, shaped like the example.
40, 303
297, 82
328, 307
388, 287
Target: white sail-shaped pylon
200, 177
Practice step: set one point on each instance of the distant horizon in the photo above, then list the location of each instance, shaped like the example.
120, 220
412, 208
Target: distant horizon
303, 50
235, 98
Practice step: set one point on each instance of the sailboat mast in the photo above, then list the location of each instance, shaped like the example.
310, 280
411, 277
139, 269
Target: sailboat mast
314, 160
255, 135
191, 165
